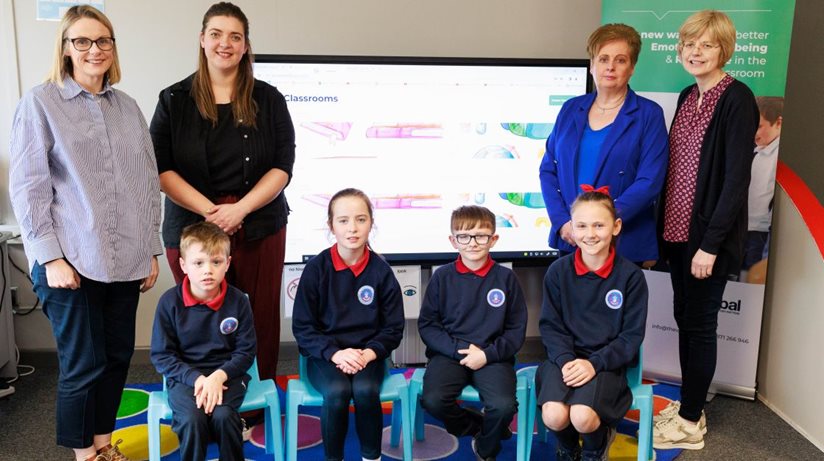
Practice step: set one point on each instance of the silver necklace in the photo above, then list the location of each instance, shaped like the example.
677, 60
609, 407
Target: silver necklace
605, 109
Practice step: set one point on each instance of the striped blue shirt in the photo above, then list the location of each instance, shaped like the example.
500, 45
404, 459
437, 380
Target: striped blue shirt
83, 181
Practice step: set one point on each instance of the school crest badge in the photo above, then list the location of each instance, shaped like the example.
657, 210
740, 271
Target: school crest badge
366, 294
614, 299
496, 297
228, 325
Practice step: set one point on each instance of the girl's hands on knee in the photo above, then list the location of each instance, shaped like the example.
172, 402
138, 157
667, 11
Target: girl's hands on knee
349, 361
209, 391
578, 372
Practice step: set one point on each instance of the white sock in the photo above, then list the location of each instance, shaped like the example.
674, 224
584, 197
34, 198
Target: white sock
367, 459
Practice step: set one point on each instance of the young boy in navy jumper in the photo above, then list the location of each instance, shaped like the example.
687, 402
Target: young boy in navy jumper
203, 342
592, 325
473, 321
348, 317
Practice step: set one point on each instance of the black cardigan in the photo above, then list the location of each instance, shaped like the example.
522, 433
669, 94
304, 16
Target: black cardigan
719, 216
179, 137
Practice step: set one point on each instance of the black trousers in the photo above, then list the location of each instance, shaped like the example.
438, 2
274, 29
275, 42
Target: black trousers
696, 303
443, 382
195, 429
338, 389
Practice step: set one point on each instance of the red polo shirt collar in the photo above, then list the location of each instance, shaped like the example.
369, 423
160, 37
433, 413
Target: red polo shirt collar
461, 267
603, 272
214, 304
339, 264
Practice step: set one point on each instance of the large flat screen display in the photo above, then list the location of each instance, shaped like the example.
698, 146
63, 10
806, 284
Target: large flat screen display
421, 136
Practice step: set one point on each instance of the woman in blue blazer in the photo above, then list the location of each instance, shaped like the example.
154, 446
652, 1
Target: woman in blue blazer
614, 138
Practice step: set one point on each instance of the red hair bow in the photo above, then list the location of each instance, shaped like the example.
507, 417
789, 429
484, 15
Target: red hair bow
602, 190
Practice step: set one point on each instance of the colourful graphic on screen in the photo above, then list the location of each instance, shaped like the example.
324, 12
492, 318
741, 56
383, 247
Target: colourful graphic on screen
529, 130
400, 201
406, 131
496, 152
525, 199
335, 131
505, 220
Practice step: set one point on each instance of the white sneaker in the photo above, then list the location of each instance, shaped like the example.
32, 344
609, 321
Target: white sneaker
671, 411
675, 433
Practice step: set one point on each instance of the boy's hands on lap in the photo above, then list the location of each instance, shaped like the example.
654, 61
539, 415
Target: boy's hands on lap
209, 390
577, 372
475, 357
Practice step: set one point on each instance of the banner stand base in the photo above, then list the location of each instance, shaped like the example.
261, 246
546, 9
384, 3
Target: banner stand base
731, 390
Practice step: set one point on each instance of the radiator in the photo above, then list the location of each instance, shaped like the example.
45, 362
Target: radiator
411, 350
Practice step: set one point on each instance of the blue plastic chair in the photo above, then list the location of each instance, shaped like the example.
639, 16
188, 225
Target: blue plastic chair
259, 394
470, 394
300, 392
642, 400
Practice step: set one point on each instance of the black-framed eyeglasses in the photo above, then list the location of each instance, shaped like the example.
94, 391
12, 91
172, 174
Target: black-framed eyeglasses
85, 44
480, 239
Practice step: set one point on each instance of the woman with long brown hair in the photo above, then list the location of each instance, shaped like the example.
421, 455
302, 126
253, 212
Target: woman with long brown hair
225, 147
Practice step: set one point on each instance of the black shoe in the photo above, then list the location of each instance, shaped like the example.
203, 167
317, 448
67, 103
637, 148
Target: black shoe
477, 455
566, 454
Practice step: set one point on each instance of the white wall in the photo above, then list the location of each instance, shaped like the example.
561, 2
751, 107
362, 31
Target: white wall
157, 44
9, 93
790, 367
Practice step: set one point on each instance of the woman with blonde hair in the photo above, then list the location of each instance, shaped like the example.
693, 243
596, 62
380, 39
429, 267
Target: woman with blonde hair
83, 185
703, 222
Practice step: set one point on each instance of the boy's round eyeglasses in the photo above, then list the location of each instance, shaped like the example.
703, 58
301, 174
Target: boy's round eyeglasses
85, 44
480, 239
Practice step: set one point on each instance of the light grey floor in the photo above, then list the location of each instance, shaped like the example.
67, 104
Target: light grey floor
738, 429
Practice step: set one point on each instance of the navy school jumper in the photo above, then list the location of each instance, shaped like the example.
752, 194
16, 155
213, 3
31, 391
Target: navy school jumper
191, 341
336, 309
597, 316
462, 308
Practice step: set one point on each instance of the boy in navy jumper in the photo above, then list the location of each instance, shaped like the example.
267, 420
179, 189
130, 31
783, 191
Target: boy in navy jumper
203, 342
592, 324
473, 321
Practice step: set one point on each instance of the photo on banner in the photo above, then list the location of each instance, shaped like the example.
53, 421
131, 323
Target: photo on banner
763, 32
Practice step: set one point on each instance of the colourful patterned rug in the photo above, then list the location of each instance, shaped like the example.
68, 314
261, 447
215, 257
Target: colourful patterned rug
438, 445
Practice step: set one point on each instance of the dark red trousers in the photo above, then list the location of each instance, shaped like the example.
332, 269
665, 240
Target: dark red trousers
257, 270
